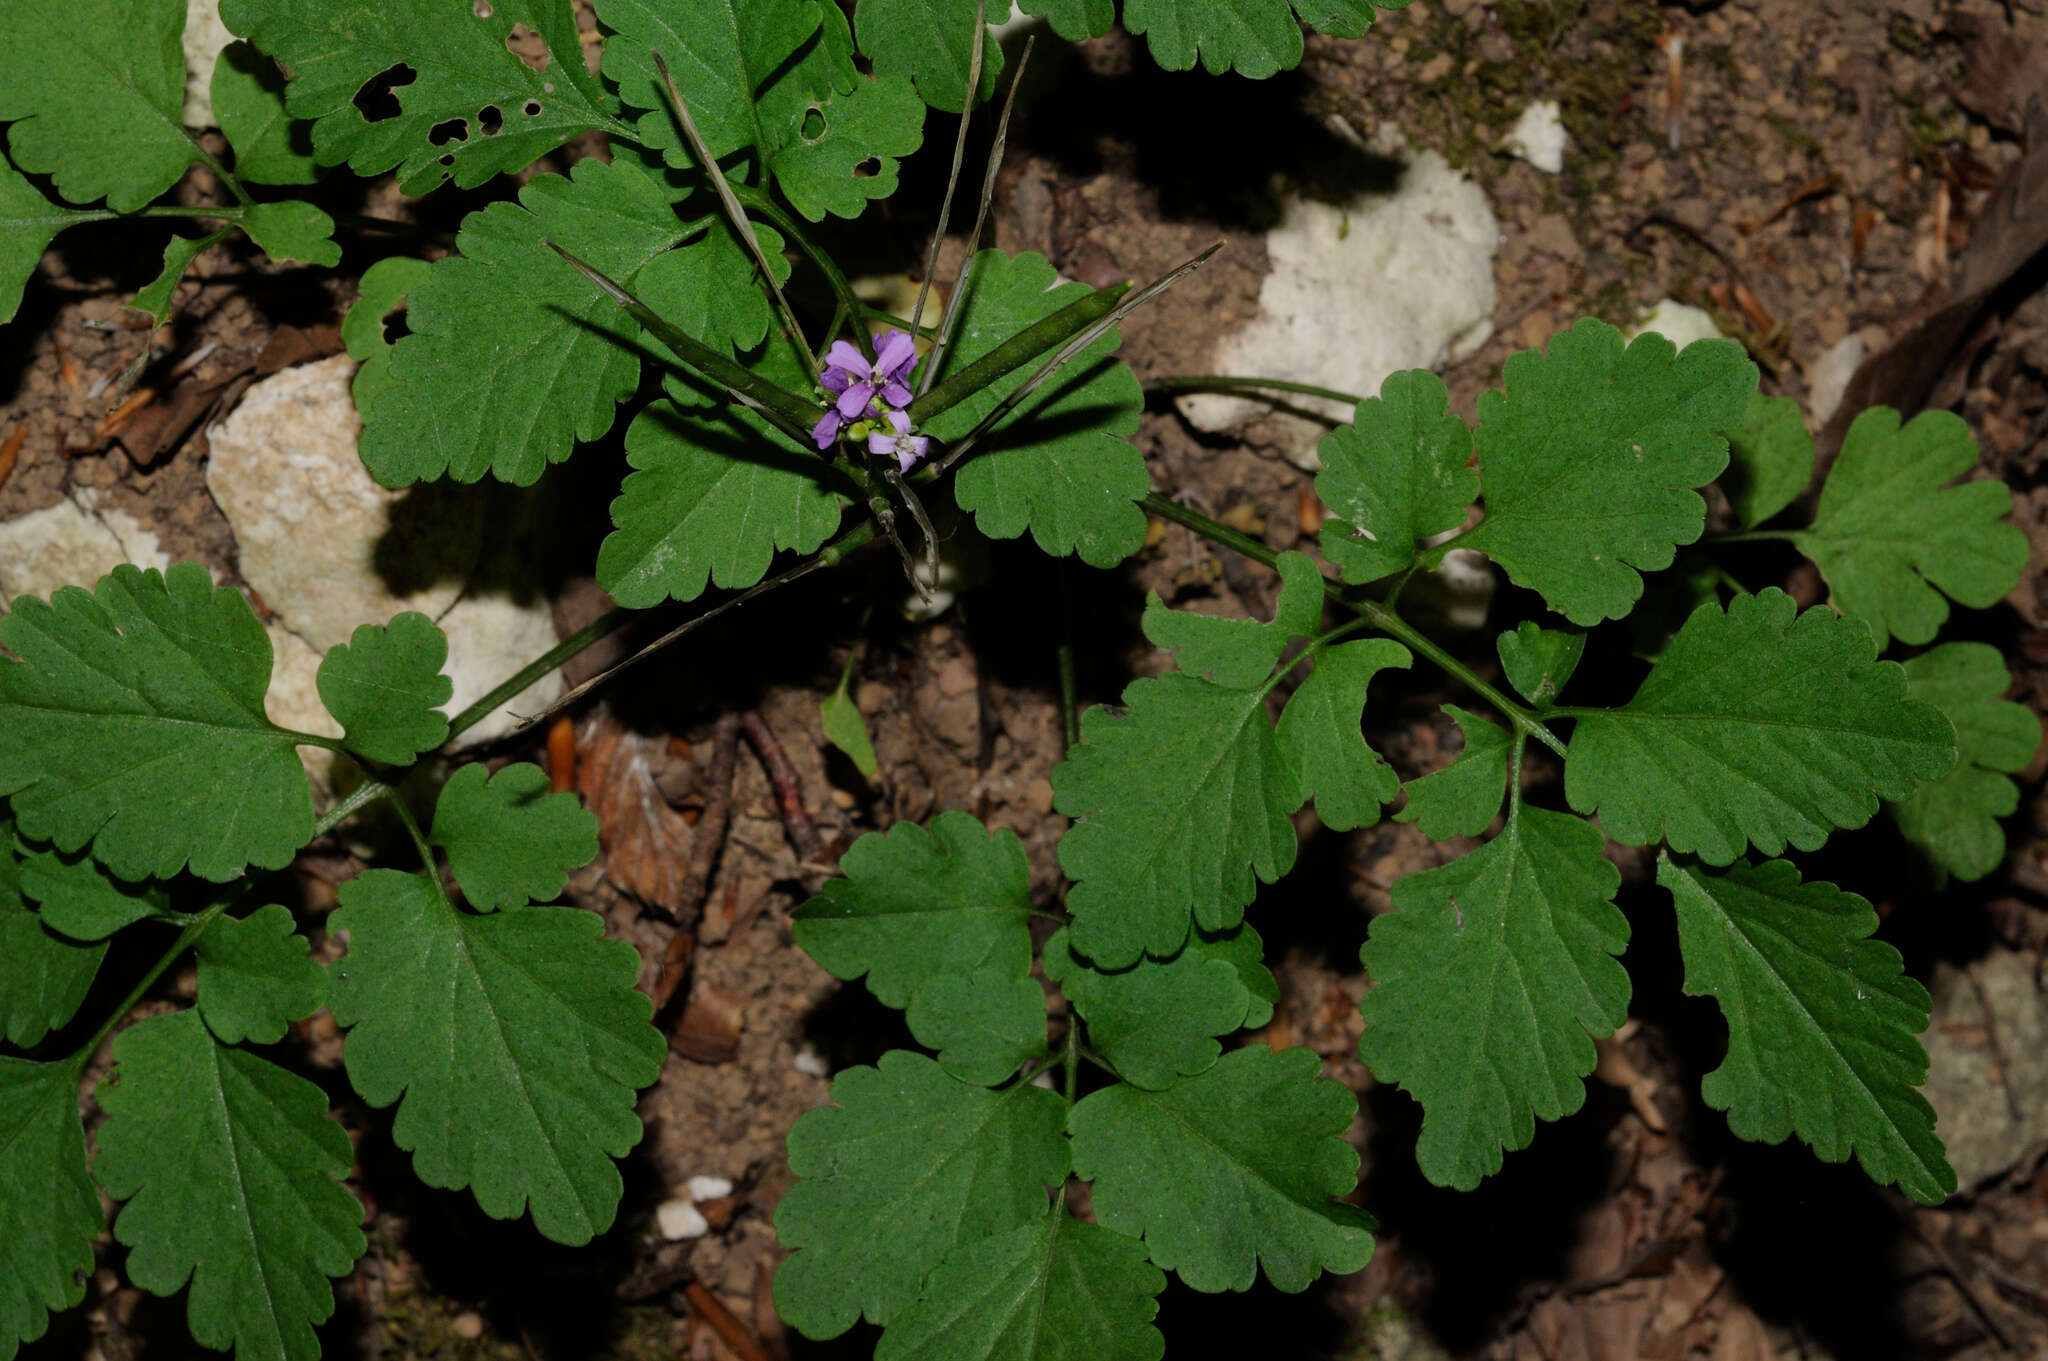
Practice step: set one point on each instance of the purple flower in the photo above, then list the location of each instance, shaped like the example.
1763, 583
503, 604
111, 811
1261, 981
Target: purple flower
827, 428
856, 383
907, 448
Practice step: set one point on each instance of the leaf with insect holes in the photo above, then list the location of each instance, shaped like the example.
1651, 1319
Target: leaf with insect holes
931, 43
1254, 38
1490, 980
1239, 654
159, 294
1892, 537
1823, 1023
1539, 661
514, 357
385, 687
51, 1212
1953, 821
95, 90
271, 147
1156, 1021
836, 150
1770, 459
513, 1044
985, 1025
1589, 458
1054, 1290
509, 840
1060, 464
383, 290
147, 682
231, 1170
1319, 735
1074, 20
28, 224
906, 1164
77, 898
1229, 1171
256, 977
1395, 476
1760, 725
1463, 798
721, 53
290, 230
430, 92
1180, 805
914, 905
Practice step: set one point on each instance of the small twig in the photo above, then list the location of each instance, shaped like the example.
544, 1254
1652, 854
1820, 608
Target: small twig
730, 1330
707, 839
10, 451
1953, 1269
803, 836
931, 255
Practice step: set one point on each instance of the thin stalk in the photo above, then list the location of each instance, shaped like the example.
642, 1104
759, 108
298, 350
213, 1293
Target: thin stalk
1215, 382
835, 278
1014, 353
195, 927
1070, 704
360, 797
1753, 536
931, 254
226, 176
1071, 1060
1131, 303
596, 630
734, 212
951, 317
1376, 615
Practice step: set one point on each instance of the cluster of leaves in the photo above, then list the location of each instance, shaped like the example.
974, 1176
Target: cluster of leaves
933, 1193
145, 781
1254, 38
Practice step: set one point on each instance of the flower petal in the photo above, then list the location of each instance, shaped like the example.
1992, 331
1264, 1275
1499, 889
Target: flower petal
855, 399
896, 354
879, 444
898, 421
896, 393
827, 429
843, 355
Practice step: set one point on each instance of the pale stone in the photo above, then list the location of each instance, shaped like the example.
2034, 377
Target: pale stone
1393, 280
70, 544
709, 1188
205, 36
678, 1219
810, 1063
1538, 137
1989, 1121
1678, 322
1829, 376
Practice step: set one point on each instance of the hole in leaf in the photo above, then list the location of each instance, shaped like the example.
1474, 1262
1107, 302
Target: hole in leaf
454, 130
523, 43
378, 99
394, 325
491, 120
868, 169
813, 126
448, 160
531, 108
482, 9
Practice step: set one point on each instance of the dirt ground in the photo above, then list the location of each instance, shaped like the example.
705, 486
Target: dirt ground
1828, 168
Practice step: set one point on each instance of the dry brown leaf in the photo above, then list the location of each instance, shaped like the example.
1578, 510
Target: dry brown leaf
646, 842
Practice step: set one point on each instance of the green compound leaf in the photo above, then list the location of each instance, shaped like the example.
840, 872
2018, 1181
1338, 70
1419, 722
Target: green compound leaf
711, 289
1538, 661
907, 1165
271, 147
51, 1212
714, 495
1319, 736
985, 1025
1589, 459
1255, 38
513, 356
835, 134
510, 841
1491, 978
159, 294
28, 224
1074, 20
1756, 727
1239, 654
1892, 538
1060, 464
513, 1042
290, 230
1156, 1020
231, 1170
385, 687
1057, 1290
916, 905
256, 977
1177, 804
385, 286
1395, 476
1463, 797
147, 683
1229, 1171
1823, 1024
930, 42
1770, 459
1954, 820
76, 898
43, 976
721, 52
98, 87
470, 110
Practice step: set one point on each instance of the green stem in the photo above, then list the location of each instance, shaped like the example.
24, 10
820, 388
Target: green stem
205, 212
227, 177
1216, 382
419, 838
771, 212
195, 927
363, 795
597, 629
1071, 1058
1752, 536
1070, 704
1377, 615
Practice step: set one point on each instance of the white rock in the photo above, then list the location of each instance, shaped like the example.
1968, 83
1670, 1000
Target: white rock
330, 550
1678, 322
1828, 377
1394, 280
1538, 137
205, 36
709, 1188
810, 1063
70, 544
679, 1219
